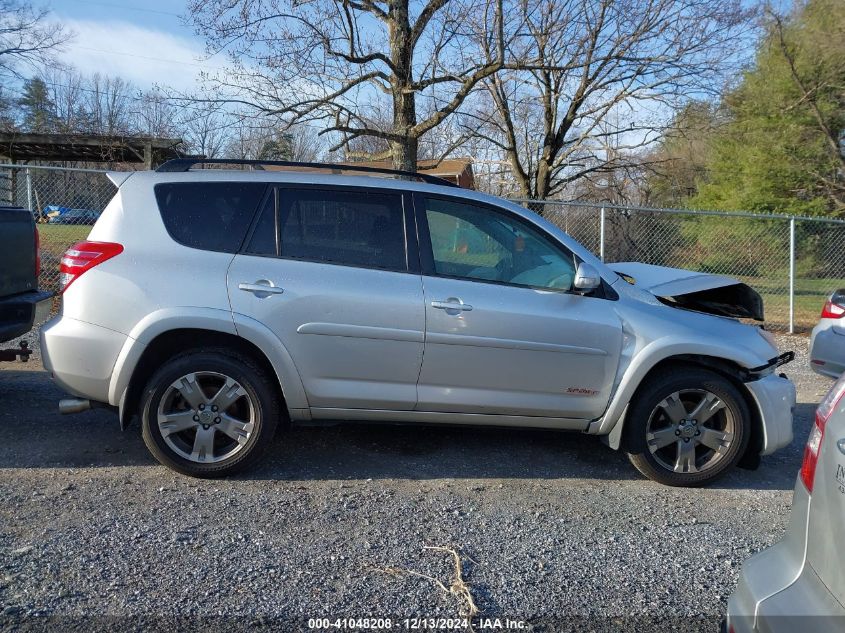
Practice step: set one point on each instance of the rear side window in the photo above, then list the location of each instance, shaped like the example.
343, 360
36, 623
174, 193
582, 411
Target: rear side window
353, 228
213, 216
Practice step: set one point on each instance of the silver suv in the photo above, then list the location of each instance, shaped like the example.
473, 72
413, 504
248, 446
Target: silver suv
215, 304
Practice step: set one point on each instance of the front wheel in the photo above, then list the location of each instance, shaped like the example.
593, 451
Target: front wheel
687, 427
209, 414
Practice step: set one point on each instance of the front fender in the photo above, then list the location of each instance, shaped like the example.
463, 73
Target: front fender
647, 359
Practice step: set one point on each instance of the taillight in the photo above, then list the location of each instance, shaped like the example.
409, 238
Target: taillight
811, 454
37, 254
814, 443
834, 307
82, 257
832, 311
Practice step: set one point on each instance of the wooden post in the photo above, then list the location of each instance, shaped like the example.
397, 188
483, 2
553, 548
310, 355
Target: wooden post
148, 155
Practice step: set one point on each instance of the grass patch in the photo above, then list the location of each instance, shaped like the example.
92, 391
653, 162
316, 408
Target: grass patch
56, 238
810, 295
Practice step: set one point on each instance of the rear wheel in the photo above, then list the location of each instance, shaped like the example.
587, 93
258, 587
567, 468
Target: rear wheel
687, 427
209, 414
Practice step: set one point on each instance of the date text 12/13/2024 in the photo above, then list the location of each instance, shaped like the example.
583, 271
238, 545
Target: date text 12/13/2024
417, 624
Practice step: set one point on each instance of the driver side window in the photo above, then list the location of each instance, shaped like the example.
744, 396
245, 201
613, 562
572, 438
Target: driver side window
474, 242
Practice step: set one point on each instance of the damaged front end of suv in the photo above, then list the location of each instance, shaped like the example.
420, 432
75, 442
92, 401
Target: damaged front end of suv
684, 332
701, 292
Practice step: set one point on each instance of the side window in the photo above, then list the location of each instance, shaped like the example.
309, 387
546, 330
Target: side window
478, 243
342, 227
213, 216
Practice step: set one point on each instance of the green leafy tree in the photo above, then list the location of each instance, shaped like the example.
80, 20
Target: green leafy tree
37, 108
280, 147
679, 162
782, 149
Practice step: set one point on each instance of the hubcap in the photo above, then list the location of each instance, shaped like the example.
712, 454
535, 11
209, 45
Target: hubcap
206, 417
690, 431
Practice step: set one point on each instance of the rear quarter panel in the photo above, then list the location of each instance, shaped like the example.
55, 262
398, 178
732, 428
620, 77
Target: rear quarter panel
152, 272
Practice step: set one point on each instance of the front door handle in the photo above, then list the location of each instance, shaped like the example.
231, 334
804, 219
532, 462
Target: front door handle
451, 304
261, 288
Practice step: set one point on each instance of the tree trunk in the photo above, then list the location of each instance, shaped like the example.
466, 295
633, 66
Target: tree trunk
404, 150
404, 154
544, 178
523, 180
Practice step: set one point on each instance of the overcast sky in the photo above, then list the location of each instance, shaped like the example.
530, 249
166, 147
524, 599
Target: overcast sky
143, 42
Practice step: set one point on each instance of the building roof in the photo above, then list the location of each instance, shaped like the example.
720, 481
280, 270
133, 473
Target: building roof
17, 146
456, 170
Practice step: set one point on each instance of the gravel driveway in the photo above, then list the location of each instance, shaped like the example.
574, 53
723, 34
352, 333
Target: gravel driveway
554, 531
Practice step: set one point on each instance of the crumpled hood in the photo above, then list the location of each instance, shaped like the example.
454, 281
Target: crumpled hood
714, 294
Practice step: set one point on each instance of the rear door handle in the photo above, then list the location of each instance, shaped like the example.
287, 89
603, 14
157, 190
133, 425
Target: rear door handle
261, 288
451, 304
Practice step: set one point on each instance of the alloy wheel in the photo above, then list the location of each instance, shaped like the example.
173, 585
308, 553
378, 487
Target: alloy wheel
206, 417
690, 431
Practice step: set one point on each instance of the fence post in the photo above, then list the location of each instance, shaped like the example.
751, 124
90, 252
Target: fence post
28, 173
601, 234
792, 275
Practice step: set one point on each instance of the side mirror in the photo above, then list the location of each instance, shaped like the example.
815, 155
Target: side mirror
586, 278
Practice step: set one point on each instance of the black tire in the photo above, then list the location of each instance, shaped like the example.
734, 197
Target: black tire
259, 400
649, 413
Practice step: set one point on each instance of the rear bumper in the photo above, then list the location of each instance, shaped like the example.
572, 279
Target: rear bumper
827, 350
775, 398
81, 356
779, 591
806, 606
19, 313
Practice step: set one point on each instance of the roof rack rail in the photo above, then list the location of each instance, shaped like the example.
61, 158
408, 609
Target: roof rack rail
184, 164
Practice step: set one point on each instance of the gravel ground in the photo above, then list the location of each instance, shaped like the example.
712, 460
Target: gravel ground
553, 529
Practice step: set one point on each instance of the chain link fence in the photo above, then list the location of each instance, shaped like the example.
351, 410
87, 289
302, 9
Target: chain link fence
793, 262
65, 203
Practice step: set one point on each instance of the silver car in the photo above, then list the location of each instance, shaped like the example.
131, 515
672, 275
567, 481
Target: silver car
827, 345
214, 304
799, 583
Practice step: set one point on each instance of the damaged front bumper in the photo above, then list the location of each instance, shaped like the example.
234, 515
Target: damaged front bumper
773, 363
775, 398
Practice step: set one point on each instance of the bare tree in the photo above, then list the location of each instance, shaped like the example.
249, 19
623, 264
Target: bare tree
67, 87
247, 137
251, 137
305, 144
594, 78
27, 38
154, 115
107, 102
323, 60
7, 112
206, 128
